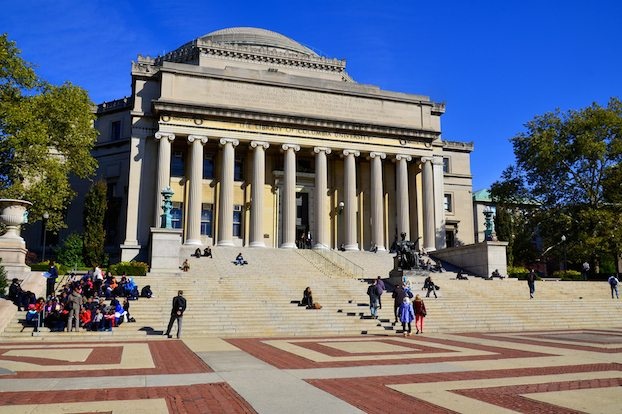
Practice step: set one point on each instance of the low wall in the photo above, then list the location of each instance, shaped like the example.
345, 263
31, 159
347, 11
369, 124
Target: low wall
480, 258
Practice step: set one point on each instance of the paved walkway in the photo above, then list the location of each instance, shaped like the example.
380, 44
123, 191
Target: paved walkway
569, 371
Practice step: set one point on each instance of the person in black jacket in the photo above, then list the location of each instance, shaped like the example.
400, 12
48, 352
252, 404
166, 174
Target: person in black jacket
177, 313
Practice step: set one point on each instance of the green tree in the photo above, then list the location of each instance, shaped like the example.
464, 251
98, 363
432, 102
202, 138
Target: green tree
4, 281
71, 252
46, 134
94, 213
568, 165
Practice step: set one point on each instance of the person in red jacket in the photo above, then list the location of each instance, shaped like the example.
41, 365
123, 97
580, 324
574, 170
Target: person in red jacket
420, 313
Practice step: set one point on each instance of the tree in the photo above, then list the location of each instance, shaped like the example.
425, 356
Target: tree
46, 134
568, 165
71, 252
94, 213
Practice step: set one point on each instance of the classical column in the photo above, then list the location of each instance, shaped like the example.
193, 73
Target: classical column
349, 183
321, 207
377, 221
259, 175
225, 208
289, 197
193, 225
164, 170
439, 205
429, 236
403, 210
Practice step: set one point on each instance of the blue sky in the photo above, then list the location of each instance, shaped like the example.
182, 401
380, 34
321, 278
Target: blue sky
495, 64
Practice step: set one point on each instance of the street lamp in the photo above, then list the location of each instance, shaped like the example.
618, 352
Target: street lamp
564, 242
341, 206
46, 216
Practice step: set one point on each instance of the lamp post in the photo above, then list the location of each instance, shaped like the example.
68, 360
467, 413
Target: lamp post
564, 242
46, 216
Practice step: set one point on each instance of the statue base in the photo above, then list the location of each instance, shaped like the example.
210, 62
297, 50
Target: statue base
13, 253
165, 250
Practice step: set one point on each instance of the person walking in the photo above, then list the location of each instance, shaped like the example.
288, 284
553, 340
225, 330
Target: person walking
177, 313
398, 297
531, 282
381, 288
613, 283
407, 315
374, 299
420, 313
430, 286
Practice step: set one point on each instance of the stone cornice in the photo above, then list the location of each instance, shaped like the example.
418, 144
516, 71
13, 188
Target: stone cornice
190, 53
240, 115
114, 106
458, 146
302, 83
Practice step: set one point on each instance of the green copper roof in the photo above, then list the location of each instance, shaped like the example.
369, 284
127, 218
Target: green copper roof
482, 195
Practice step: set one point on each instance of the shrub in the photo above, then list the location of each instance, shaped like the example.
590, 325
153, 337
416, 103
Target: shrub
3, 280
519, 272
129, 268
71, 251
45, 266
568, 275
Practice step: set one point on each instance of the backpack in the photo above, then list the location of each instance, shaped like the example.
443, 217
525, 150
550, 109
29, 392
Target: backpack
613, 281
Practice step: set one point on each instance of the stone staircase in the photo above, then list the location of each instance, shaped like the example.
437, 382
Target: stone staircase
261, 299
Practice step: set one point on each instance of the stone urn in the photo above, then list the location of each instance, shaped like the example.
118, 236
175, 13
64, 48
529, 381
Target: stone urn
13, 213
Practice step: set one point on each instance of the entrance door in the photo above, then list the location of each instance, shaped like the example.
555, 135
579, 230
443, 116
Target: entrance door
302, 219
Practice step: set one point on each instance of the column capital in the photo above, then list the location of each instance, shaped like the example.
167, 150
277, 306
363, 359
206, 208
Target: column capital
347, 152
427, 159
232, 141
375, 154
286, 147
317, 150
399, 157
437, 160
168, 135
263, 144
200, 138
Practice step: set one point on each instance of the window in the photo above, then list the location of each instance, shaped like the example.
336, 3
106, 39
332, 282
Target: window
237, 220
177, 164
445, 165
450, 238
448, 203
177, 214
206, 219
238, 170
208, 167
115, 131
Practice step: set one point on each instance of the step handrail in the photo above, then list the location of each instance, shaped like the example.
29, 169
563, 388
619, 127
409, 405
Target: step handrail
339, 261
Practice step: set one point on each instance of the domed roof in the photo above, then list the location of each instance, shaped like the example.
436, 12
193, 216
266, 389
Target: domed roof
254, 37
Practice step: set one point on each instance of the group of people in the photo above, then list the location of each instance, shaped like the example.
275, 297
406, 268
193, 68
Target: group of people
207, 252
405, 309
305, 241
80, 303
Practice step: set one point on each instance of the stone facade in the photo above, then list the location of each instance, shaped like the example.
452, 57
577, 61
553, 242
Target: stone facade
262, 140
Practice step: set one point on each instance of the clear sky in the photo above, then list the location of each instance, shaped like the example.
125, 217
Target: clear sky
495, 64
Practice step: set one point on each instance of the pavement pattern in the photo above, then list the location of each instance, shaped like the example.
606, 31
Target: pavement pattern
564, 371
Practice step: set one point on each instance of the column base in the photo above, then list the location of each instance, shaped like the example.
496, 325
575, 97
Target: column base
381, 249
257, 244
320, 246
352, 247
288, 246
193, 243
225, 243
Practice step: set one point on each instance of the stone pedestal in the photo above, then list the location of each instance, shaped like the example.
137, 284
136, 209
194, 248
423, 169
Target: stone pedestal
12, 246
165, 250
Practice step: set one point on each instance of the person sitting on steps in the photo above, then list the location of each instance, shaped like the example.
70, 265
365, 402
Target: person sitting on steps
307, 298
239, 260
185, 265
207, 252
197, 252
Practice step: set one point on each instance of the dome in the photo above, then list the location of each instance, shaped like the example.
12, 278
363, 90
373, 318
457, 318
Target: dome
254, 37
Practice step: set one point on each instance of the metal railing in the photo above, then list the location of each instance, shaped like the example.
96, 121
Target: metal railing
337, 260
